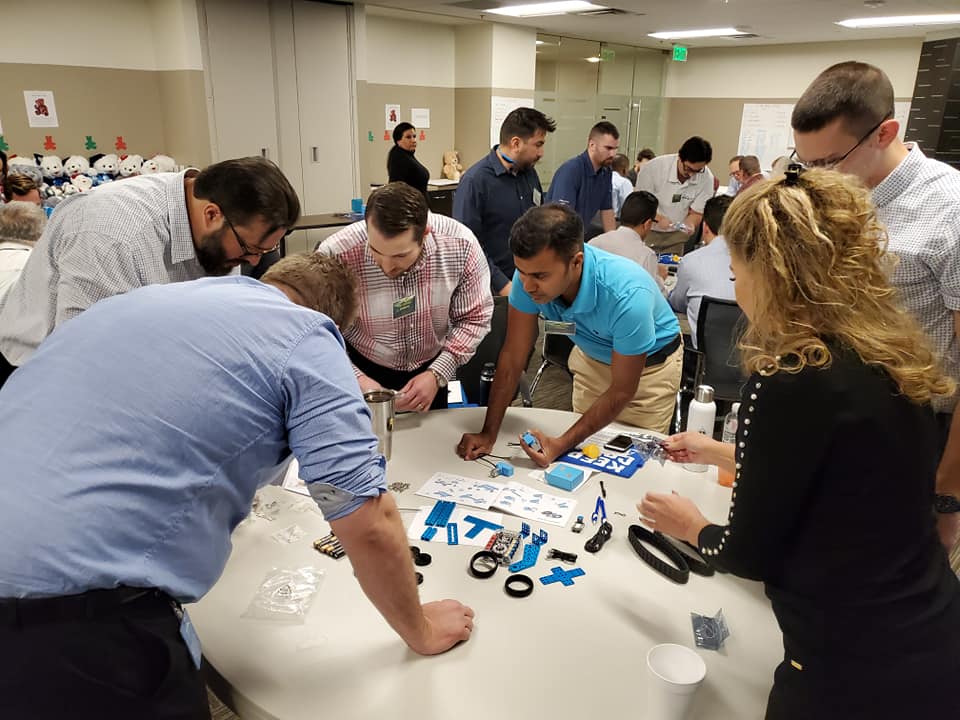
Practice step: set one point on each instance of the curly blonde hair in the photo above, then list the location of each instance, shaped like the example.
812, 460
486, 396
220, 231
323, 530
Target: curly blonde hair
817, 255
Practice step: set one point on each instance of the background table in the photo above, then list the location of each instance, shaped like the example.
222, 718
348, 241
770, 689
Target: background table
563, 652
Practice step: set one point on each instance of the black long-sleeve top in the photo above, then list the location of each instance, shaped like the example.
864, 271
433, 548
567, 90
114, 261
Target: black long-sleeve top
832, 510
402, 166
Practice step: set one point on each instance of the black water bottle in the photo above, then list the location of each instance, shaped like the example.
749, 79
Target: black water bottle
486, 382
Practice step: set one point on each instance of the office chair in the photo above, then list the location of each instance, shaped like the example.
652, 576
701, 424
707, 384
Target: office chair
488, 351
556, 351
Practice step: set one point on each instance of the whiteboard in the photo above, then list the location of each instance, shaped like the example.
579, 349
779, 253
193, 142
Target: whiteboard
500, 107
765, 131
901, 114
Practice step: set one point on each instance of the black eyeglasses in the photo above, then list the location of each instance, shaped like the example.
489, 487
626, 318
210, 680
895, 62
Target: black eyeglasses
827, 164
247, 250
691, 171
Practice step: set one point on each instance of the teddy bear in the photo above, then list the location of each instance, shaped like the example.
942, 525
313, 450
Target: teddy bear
104, 168
20, 165
451, 165
130, 165
76, 165
51, 168
81, 183
157, 164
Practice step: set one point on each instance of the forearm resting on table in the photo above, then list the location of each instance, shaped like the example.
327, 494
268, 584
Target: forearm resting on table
376, 544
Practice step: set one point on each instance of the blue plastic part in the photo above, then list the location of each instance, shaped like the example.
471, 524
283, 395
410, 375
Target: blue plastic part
428, 533
441, 513
529, 439
599, 512
539, 538
530, 555
504, 468
564, 577
479, 526
524, 530
564, 476
452, 537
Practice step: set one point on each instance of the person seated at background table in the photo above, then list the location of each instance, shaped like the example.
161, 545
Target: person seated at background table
134, 442
706, 271
20, 188
636, 219
682, 183
750, 172
834, 462
149, 229
424, 296
621, 185
643, 157
496, 190
733, 177
21, 223
626, 363
402, 165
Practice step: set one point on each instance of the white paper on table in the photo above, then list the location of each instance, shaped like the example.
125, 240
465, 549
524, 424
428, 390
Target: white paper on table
458, 516
454, 392
292, 481
443, 182
533, 504
541, 475
462, 490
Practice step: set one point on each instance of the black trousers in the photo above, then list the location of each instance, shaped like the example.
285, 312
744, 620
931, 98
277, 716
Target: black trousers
395, 379
128, 662
6, 369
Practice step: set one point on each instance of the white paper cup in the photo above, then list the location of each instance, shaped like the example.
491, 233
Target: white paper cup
674, 674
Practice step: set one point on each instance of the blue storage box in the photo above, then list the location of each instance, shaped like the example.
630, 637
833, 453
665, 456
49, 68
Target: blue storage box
564, 476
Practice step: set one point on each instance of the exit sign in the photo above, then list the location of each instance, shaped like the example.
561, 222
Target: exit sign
679, 53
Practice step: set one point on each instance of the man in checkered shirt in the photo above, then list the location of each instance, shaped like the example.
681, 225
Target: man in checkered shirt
151, 229
844, 120
425, 302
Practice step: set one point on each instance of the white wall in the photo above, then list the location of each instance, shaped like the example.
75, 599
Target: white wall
401, 52
131, 35
783, 71
514, 57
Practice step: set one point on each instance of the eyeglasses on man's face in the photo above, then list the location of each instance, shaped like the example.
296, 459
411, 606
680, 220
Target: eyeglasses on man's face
247, 250
829, 163
688, 170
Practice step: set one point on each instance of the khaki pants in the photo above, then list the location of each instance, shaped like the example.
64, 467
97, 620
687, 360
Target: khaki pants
652, 405
667, 242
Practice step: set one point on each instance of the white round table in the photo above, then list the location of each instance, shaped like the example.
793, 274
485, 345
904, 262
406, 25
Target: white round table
563, 652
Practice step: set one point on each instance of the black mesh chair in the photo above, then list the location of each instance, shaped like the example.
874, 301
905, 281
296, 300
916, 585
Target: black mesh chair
556, 352
487, 352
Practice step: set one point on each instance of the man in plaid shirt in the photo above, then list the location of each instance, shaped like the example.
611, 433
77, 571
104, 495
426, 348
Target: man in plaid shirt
844, 120
424, 292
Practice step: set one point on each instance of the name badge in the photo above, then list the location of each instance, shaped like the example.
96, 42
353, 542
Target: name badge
676, 198
537, 198
189, 635
404, 306
559, 328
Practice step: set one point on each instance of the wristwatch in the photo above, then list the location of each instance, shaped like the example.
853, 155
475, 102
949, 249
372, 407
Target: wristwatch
946, 504
441, 380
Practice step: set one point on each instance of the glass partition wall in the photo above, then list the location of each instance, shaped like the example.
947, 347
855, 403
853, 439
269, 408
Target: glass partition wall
580, 82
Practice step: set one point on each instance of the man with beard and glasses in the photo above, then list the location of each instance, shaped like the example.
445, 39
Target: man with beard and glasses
501, 187
161, 228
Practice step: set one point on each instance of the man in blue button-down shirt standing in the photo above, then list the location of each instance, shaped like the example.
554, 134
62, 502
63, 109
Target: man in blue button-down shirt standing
133, 443
628, 355
585, 182
501, 187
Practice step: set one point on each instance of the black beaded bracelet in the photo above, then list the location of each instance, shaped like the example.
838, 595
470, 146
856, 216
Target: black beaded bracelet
679, 572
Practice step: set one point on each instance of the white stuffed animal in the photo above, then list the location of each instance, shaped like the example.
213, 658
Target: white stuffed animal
21, 165
130, 165
158, 163
52, 168
76, 165
107, 165
82, 183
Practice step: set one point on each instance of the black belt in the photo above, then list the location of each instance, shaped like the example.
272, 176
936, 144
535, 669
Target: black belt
683, 563
663, 353
23, 612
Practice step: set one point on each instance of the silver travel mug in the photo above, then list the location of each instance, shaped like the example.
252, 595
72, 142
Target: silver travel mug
380, 403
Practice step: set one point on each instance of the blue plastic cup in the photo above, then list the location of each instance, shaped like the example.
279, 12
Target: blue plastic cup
356, 205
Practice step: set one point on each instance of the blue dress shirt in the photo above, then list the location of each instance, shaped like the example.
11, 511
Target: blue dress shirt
618, 307
136, 436
489, 200
584, 189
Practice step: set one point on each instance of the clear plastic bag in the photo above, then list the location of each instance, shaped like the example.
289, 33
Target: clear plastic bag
288, 535
649, 448
709, 632
285, 595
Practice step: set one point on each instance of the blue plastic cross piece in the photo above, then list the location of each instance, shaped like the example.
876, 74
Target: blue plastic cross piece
479, 526
441, 513
559, 575
452, 538
504, 468
539, 538
530, 555
428, 534
524, 530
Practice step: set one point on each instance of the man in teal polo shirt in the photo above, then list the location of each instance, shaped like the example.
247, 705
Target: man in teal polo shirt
628, 355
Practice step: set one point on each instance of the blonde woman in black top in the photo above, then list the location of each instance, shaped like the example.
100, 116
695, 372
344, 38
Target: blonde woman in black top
402, 166
834, 462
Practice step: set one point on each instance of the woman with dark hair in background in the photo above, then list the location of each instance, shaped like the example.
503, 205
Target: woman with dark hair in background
402, 166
